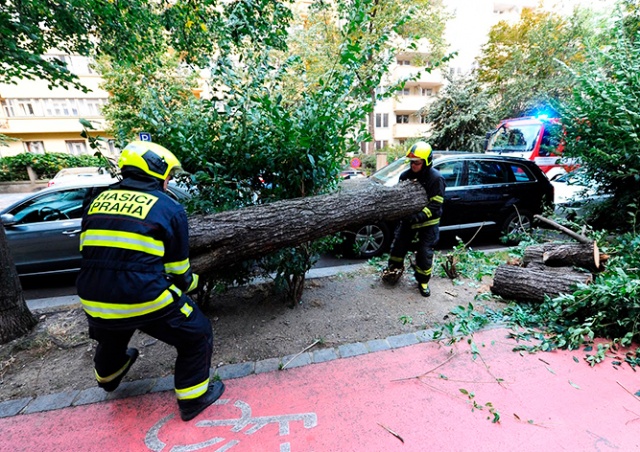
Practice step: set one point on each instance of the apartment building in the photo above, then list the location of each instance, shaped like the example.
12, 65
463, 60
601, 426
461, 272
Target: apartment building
44, 120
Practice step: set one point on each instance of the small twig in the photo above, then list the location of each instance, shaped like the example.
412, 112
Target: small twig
429, 371
631, 393
451, 293
300, 353
391, 431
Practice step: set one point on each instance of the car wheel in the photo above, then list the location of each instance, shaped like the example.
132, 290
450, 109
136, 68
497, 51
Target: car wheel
515, 225
368, 241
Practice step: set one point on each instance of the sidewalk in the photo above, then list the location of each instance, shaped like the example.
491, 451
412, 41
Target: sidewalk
404, 393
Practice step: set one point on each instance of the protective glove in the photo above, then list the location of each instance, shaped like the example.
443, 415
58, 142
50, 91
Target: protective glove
418, 217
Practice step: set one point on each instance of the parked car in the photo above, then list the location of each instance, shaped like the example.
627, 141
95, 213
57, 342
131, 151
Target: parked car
575, 195
498, 193
351, 173
43, 228
73, 176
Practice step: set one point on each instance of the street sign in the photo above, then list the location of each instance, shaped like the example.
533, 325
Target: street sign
144, 136
355, 163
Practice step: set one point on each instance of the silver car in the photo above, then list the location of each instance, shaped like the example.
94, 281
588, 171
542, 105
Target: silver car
43, 229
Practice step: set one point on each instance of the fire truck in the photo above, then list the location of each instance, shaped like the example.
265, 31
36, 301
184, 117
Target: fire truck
533, 138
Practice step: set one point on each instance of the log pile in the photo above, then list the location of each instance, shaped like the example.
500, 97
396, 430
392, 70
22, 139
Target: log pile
549, 269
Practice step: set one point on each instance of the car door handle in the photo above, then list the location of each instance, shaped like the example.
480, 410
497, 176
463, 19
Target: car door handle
455, 198
75, 231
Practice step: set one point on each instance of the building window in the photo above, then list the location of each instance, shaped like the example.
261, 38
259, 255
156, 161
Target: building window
423, 120
8, 109
427, 91
25, 107
402, 119
34, 147
404, 91
382, 120
380, 144
77, 147
403, 62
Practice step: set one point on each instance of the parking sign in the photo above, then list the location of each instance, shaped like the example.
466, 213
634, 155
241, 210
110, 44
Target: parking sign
144, 136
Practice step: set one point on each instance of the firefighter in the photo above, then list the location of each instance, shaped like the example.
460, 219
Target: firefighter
425, 223
135, 275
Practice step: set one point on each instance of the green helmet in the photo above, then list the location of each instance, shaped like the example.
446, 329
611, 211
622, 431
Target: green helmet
153, 159
421, 150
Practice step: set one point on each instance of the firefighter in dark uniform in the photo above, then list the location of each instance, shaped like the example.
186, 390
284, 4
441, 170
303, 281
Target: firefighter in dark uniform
135, 274
425, 223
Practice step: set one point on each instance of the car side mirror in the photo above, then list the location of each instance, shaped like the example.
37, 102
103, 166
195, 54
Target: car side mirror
8, 219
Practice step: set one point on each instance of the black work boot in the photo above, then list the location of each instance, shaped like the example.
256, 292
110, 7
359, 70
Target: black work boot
424, 289
110, 386
192, 407
392, 275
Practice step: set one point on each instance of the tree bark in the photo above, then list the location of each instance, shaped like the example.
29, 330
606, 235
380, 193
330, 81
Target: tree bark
583, 255
532, 284
225, 238
15, 318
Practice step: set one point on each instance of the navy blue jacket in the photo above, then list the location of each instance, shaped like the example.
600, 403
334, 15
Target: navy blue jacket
135, 254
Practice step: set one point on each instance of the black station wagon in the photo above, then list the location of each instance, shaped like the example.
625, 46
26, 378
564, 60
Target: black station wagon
498, 193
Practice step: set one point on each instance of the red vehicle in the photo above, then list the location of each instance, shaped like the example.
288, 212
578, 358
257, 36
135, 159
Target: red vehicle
533, 138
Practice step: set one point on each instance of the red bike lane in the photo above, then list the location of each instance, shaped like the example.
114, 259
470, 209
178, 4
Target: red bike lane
421, 397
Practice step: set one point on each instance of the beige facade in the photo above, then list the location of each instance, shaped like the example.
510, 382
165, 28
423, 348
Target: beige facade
47, 120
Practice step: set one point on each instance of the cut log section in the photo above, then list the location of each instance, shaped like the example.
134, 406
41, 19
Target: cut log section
532, 284
583, 255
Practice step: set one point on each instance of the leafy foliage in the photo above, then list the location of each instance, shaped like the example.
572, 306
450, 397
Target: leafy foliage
266, 127
31, 28
461, 115
45, 165
602, 124
520, 62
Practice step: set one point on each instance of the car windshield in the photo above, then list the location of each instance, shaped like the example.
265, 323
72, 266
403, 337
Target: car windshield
514, 139
389, 174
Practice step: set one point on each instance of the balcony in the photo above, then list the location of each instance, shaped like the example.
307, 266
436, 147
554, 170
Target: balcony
426, 79
35, 125
411, 130
411, 104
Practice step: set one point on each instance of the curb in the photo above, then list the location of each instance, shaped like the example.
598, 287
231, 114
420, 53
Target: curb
68, 399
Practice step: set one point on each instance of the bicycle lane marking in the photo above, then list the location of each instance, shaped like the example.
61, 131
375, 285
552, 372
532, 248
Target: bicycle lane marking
348, 404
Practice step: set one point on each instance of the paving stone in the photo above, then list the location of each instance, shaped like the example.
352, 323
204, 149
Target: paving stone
378, 345
91, 395
131, 389
402, 340
292, 361
51, 402
324, 355
355, 349
424, 335
267, 365
13, 407
235, 370
163, 384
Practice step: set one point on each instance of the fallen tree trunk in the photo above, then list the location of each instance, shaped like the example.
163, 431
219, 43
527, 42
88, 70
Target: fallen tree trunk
226, 238
532, 284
